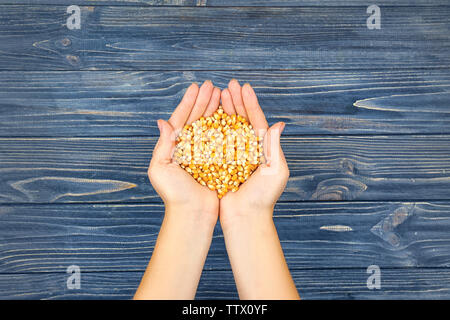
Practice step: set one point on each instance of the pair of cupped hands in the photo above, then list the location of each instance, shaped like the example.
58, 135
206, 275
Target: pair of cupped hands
183, 195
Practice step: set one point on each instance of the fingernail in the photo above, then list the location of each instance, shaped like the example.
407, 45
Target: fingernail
282, 127
159, 125
249, 88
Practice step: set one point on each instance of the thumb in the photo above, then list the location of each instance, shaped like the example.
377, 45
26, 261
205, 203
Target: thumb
166, 143
272, 146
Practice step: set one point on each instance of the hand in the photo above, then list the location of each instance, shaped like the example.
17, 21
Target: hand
191, 209
253, 246
179, 191
251, 239
258, 195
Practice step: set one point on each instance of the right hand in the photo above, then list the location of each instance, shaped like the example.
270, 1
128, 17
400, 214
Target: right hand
258, 195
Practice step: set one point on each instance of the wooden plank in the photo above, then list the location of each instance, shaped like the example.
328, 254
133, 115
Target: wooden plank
103, 103
238, 38
47, 170
49, 238
222, 3
409, 283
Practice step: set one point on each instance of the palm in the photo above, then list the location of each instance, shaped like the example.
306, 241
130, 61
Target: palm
261, 190
174, 185
177, 187
180, 187
265, 185
251, 192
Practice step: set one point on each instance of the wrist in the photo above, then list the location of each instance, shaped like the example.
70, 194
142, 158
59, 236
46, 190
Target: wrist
194, 234
244, 219
190, 216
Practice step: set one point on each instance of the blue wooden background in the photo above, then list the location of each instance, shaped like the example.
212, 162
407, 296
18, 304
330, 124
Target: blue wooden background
367, 139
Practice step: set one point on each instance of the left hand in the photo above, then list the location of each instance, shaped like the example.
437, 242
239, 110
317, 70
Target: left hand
179, 191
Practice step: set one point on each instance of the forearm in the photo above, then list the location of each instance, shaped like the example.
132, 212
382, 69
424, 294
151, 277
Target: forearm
257, 259
177, 261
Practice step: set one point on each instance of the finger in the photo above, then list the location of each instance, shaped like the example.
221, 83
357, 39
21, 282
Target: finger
236, 95
272, 147
213, 103
181, 113
201, 102
166, 143
227, 102
254, 111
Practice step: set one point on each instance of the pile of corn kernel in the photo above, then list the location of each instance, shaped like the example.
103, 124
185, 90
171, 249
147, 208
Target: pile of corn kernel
219, 151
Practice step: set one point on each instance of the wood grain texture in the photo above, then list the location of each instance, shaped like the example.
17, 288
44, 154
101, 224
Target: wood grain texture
224, 3
104, 103
238, 38
77, 126
43, 170
49, 238
409, 283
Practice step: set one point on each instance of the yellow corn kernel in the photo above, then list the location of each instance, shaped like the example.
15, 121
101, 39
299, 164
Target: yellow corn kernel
224, 151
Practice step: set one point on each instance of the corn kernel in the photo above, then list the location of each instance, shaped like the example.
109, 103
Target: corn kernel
220, 152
